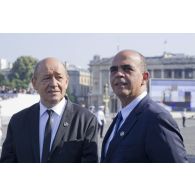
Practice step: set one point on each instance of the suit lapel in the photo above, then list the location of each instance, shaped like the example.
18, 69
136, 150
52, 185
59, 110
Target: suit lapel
34, 129
123, 131
106, 138
126, 127
64, 127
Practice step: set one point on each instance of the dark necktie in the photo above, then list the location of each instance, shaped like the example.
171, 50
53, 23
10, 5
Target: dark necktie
118, 122
117, 125
47, 138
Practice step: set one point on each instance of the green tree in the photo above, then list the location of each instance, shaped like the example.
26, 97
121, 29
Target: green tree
2, 79
21, 73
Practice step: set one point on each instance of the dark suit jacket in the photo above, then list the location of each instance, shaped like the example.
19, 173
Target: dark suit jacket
149, 134
75, 141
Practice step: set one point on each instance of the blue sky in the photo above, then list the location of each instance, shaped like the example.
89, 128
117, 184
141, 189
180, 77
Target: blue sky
79, 48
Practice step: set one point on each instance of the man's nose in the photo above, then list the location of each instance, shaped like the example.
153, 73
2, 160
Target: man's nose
53, 81
120, 72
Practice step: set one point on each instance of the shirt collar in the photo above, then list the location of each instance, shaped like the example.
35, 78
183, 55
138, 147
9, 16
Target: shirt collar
127, 109
58, 109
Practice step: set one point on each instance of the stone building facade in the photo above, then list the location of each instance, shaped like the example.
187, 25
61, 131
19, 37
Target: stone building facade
79, 82
167, 66
171, 66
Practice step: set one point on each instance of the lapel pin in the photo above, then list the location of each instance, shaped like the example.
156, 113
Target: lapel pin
122, 133
65, 124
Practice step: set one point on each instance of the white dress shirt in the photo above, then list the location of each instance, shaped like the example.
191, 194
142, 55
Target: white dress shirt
100, 116
125, 113
55, 121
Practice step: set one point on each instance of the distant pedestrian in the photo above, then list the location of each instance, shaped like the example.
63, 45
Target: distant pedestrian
101, 120
183, 114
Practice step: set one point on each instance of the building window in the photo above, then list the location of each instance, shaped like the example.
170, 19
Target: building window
178, 73
188, 73
157, 73
167, 73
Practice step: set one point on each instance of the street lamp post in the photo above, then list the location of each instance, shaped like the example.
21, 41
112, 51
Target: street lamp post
106, 99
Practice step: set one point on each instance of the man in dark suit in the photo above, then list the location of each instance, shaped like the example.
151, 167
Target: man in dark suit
142, 131
55, 129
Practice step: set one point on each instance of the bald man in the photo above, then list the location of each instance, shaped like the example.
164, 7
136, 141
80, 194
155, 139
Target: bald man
142, 132
54, 129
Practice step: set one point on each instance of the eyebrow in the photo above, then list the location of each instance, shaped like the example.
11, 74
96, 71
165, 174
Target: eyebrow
123, 67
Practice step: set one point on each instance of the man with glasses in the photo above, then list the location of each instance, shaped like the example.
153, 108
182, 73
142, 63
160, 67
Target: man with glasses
142, 131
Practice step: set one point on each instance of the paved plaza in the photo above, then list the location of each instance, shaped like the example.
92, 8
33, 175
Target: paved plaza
188, 134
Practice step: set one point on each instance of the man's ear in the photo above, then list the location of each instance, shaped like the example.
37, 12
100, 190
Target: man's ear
67, 79
33, 80
145, 77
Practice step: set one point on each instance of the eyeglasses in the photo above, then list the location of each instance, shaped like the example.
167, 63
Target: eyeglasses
125, 68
